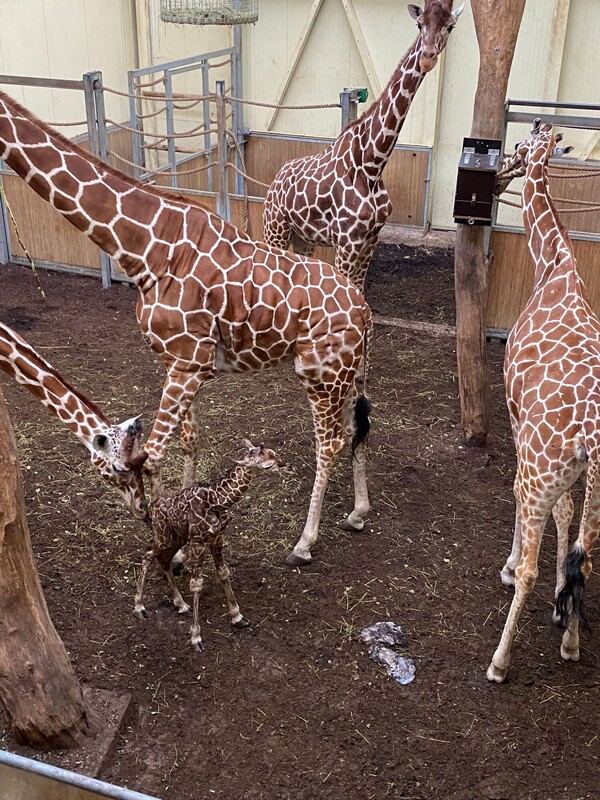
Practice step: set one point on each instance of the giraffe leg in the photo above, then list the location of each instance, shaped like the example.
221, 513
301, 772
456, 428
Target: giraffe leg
507, 575
138, 608
180, 388
190, 441
534, 514
216, 549
327, 408
353, 258
277, 231
355, 521
196, 555
579, 567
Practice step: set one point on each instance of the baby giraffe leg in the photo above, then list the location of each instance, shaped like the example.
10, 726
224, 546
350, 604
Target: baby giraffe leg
164, 559
139, 609
216, 549
196, 554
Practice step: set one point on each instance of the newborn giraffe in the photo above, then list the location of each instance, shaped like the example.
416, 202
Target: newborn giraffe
197, 517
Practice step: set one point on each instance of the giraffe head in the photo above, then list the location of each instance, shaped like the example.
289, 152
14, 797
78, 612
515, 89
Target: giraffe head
435, 22
261, 458
117, 454
540, 144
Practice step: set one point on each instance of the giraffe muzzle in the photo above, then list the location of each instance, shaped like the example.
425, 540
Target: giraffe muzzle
428, 62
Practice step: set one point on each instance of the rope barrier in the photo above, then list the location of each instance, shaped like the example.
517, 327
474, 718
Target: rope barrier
169, 173
67, 124
248, 177
588, 173
220, 63
200, 130
150, 83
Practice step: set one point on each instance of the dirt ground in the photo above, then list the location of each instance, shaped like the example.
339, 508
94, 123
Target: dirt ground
293, 708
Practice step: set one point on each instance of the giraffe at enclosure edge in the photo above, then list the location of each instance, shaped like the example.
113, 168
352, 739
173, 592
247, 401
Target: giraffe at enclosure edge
337, 197
211, 300
552, 377
197, 517
115, 450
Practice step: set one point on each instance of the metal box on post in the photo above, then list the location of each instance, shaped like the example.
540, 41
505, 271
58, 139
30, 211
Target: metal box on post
477, 168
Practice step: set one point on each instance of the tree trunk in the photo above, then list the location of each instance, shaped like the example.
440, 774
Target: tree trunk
38, 687
497, 25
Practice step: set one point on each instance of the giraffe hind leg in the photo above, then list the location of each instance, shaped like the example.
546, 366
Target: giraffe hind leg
356, 412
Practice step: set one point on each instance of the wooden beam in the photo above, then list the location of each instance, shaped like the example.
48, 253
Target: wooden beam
363, 49
289, 73
554, 62
588, 147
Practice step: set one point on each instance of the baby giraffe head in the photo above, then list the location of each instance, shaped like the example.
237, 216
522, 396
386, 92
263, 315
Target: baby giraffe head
261, 458
435, 22
540, 142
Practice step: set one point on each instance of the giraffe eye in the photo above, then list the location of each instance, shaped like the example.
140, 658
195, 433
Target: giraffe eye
450, 28
419, 26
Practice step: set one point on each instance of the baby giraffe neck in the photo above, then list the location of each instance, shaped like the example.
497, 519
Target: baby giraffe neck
230, 488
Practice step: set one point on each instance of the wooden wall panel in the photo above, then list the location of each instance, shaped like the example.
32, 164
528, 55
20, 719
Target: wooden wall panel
265, 156
510, 281
46, 234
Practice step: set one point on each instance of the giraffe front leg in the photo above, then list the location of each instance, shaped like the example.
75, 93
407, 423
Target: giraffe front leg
352, 258
138, 608
180, 388
355, 521
190, 441
196, 554
236, 618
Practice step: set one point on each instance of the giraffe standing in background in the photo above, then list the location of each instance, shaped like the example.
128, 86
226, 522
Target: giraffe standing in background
552, 376
337, 197
211, 300
196, 517
115, 450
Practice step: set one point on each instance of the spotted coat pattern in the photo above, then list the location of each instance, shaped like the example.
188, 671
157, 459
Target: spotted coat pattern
338, 197
115, 450
196, 517
552, 377
210, 299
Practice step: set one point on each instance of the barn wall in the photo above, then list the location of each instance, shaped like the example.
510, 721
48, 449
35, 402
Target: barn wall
555, 51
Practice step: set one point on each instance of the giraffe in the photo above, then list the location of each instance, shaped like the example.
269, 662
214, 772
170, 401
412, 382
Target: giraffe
338, 197
196, 517
115, 450
210, 301
552, 373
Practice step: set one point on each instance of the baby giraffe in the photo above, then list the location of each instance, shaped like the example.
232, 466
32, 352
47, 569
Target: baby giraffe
197, 517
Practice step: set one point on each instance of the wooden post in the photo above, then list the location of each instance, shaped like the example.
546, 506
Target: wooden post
497, 24
38, 687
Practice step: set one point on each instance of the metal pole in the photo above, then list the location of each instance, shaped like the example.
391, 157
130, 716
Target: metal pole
5, 249
171, 127
106, 266
206, 116
136, 138
237, 113
222, 151
90, 111
349, 100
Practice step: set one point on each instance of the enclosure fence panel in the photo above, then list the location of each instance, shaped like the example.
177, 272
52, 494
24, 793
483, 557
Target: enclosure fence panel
575, 187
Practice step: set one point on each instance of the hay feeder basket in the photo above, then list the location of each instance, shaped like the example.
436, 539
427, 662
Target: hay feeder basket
209, 12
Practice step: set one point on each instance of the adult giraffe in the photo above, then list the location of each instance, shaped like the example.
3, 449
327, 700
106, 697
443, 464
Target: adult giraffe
552, 375
115, 450
211, 300
337, 197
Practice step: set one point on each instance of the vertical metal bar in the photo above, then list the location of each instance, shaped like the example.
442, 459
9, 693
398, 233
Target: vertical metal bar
90, 111
206, 115
427, 190
135, 123
349, 104
5, 248
106, 265
223, 195
237, 109
170, 126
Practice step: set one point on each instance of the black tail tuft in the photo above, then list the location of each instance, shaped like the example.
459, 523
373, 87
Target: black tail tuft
570, 598
363, 423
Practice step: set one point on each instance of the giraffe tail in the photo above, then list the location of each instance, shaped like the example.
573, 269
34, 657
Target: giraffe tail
569, 601
363, 406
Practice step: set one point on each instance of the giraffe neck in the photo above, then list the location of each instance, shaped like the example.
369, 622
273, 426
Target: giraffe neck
19, 360
227, 490
115, 211
549, 243
377, 131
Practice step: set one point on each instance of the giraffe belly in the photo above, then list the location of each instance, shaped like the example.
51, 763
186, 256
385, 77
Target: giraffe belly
250, 360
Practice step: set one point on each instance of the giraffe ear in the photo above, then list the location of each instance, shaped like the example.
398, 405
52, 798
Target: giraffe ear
562, 151
100, 442
414, 10
458, 11
247, 443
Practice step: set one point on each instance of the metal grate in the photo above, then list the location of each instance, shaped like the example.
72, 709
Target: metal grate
209, 12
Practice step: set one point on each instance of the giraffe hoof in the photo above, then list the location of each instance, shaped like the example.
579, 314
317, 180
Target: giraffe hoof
185, 609
198, 646
569, 655
141, 613
294, 560
496, 674
354, 527
241, 623
507, 576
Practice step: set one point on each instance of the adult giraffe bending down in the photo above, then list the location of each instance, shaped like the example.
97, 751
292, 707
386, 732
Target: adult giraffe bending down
211, 300
115, 450
337, 197
552, 375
